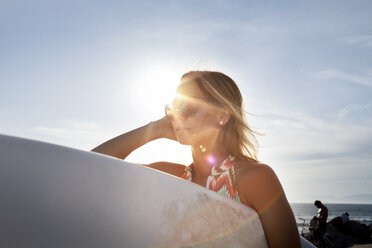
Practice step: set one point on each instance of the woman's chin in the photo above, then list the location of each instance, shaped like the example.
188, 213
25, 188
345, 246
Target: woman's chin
188, 141
183, 141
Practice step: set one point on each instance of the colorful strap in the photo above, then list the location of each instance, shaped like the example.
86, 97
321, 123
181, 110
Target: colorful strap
222, 179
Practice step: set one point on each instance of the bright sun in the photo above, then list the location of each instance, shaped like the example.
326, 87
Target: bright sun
157, 85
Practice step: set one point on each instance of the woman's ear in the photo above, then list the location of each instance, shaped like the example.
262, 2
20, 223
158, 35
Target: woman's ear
223, 117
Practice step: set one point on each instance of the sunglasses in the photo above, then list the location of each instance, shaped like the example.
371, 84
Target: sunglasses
185, 109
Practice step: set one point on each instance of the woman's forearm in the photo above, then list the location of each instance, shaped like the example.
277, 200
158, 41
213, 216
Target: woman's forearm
122, 145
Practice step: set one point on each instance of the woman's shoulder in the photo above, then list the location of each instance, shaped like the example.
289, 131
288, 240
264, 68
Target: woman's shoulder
249, 168
168, 167
256, 180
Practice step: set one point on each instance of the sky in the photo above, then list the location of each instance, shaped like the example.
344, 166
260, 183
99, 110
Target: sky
77, 73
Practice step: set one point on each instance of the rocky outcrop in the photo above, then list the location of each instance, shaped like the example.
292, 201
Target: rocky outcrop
349, 233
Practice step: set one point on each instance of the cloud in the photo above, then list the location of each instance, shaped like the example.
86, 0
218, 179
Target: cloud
68, 128
335, 74
359, 39
309, 152
288, 123
292, 137
343, 112
73, 133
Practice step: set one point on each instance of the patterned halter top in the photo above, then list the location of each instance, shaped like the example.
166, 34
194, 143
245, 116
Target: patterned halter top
222, 179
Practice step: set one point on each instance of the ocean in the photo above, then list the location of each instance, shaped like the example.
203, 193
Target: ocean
357, 212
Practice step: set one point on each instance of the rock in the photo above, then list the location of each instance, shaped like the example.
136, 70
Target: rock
357, 230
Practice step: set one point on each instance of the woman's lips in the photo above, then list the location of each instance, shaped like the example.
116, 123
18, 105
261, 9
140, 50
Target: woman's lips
181, 129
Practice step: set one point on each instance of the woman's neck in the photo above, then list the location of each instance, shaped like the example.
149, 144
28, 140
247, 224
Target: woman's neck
205, 157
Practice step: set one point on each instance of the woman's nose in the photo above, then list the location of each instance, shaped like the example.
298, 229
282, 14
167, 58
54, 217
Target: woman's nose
177, 115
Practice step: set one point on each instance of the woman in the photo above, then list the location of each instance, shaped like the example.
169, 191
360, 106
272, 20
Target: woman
207, 114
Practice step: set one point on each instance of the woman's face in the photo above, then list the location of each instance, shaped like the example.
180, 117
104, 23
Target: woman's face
194, 116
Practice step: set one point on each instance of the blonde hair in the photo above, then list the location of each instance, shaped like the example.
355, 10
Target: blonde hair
238, 137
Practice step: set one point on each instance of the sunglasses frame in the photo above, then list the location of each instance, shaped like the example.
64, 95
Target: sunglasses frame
170, 109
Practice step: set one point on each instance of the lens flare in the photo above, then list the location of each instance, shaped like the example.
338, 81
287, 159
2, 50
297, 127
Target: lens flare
203, 149
211, 160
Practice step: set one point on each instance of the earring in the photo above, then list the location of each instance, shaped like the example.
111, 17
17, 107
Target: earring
221, 122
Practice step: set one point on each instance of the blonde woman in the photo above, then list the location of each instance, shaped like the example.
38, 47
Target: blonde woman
207, 114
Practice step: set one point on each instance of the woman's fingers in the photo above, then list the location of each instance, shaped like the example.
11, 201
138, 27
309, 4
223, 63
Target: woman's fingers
165, 126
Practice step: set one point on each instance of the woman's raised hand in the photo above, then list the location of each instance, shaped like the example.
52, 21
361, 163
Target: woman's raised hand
165, 128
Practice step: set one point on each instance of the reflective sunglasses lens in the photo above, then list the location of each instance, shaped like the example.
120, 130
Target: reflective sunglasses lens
187, 109
169, 111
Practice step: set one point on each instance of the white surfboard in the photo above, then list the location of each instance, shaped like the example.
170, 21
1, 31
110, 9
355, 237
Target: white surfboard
53, 196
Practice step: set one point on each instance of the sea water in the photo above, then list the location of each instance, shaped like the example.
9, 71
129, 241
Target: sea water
357, 212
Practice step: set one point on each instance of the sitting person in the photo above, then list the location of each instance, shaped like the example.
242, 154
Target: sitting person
344, 217
339, 222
